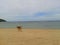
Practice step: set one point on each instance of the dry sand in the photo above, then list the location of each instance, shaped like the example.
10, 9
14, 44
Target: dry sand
30, 37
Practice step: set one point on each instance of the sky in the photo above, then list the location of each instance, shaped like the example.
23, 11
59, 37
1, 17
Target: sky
29, 10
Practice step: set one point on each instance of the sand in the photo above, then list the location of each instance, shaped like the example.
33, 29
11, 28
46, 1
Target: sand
30, 37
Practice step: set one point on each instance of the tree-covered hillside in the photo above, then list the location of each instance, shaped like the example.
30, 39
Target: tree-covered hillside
2, 20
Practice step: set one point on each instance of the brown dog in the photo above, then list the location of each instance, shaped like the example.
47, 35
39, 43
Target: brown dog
19, 28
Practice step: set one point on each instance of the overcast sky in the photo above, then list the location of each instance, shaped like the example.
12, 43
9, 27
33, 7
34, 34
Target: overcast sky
29, 10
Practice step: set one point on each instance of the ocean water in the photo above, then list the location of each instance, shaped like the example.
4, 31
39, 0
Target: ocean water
31, 24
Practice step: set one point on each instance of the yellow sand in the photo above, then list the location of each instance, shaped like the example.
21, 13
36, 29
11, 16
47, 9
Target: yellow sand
30, 37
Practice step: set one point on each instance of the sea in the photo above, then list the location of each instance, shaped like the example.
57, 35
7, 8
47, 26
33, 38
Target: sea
32, 24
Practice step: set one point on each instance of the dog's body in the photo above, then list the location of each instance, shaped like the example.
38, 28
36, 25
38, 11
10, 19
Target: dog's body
19, 28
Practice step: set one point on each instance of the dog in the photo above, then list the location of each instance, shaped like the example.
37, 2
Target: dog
19, 28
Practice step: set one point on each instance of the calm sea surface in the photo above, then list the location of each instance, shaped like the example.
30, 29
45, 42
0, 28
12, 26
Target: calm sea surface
32, 24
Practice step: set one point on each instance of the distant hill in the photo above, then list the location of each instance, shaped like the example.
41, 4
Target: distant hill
2, 20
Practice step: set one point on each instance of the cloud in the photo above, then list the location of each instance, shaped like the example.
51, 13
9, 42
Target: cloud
13, 10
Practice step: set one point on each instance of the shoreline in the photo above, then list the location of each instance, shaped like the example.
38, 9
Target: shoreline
27, 28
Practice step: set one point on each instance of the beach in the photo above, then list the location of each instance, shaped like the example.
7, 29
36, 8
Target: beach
11, 36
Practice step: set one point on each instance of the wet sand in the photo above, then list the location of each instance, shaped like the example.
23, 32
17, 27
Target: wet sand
30, 37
